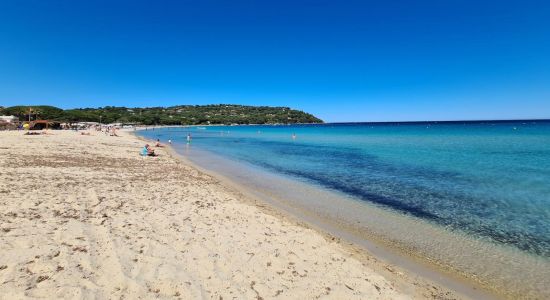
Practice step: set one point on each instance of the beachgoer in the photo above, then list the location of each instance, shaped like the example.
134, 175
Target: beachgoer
147, 151
170, 142
150, 151
294, 136
158, 144
188, 138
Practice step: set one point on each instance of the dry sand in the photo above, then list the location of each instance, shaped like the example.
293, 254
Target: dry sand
87, 217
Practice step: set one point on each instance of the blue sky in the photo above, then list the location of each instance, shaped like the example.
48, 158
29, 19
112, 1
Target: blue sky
341, 60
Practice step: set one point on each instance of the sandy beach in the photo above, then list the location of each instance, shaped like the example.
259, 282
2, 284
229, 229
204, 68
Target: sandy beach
87, 217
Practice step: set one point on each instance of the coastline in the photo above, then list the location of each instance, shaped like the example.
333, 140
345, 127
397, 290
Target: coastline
371, 250
475, 262
86, 216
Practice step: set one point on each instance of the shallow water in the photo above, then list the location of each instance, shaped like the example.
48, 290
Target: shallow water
484, 181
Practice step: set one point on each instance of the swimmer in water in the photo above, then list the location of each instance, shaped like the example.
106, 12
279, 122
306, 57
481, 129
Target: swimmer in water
188, 138
294, 136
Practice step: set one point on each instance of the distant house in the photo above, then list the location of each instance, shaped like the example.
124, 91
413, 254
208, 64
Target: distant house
9, 119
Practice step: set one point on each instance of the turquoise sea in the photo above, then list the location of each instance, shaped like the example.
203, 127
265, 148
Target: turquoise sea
487, 180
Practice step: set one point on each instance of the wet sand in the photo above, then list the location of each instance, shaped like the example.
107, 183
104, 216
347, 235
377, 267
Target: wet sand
87, 217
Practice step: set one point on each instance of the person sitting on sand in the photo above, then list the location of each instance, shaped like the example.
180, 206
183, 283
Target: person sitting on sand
147, 151
150, 151
158, 144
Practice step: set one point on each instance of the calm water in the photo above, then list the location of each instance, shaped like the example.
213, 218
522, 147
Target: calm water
489, 180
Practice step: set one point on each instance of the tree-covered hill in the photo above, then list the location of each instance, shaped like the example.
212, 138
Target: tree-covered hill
174, 115
36, 112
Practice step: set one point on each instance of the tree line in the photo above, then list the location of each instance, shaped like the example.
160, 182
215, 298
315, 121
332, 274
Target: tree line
175, 115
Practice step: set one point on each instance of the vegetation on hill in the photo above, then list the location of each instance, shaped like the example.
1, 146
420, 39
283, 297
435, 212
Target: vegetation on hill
36, 112
174, 115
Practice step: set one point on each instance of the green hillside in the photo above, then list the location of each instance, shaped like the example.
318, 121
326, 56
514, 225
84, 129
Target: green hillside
174, 115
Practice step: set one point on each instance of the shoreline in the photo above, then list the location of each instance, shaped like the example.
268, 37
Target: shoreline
478, 262
85, 216
373, 251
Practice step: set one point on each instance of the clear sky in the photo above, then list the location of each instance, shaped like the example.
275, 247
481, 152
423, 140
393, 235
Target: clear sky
340, 60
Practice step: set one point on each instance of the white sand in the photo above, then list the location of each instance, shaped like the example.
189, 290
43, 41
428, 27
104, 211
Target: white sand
87, 217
